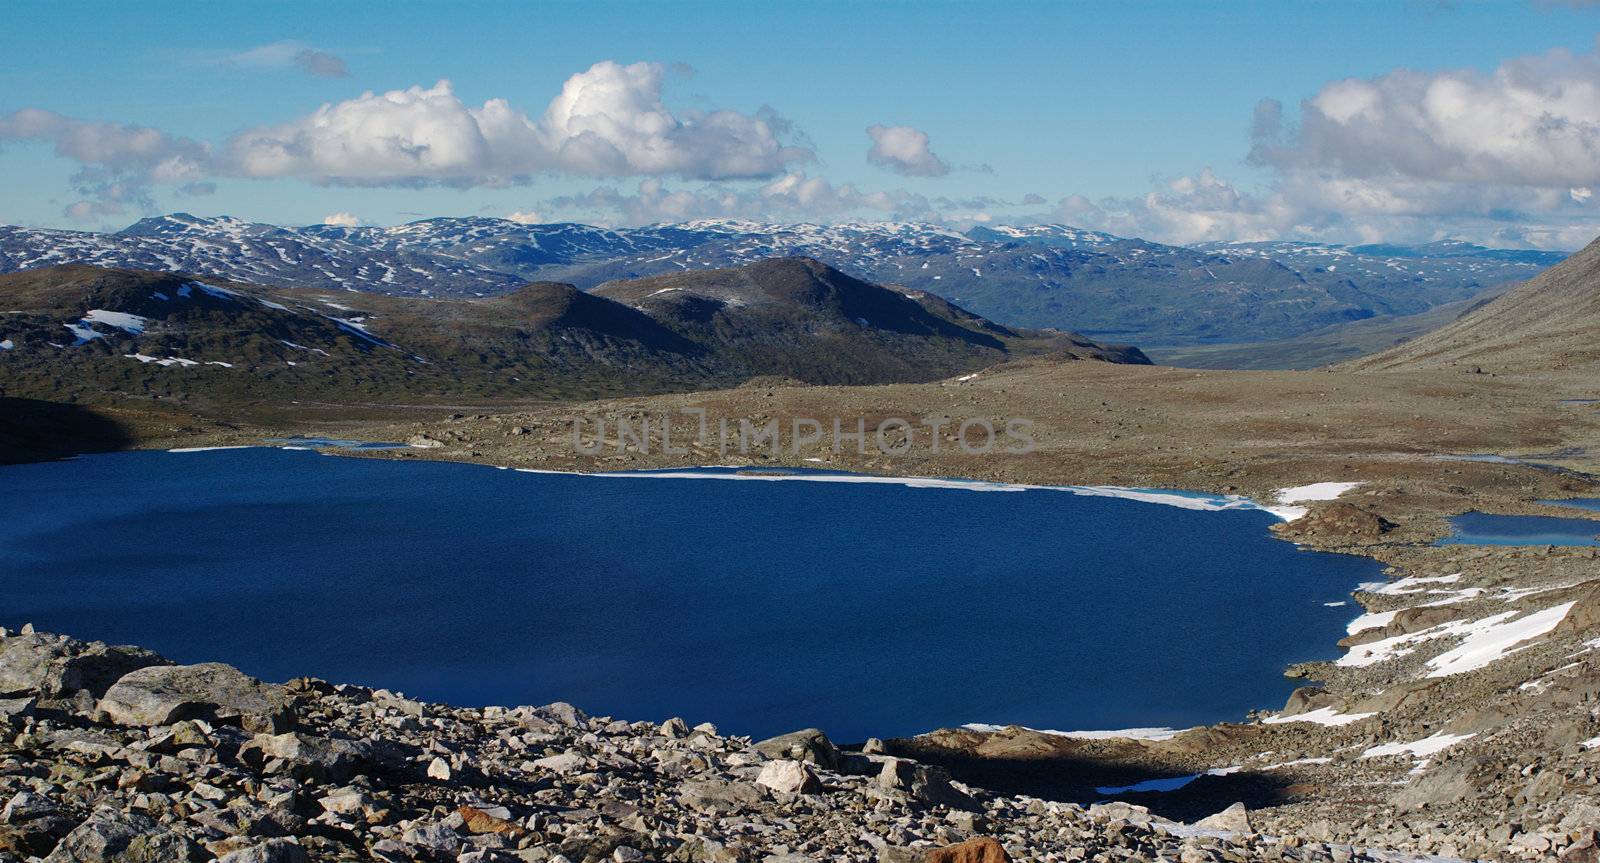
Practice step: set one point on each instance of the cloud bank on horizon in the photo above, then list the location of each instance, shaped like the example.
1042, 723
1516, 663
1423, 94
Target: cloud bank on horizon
1509, 157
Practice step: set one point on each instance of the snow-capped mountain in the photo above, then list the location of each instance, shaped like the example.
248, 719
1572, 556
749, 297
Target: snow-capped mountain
1039, 275
230, 248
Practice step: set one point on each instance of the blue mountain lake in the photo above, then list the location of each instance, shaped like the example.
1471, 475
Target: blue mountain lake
1479, 528
864, 608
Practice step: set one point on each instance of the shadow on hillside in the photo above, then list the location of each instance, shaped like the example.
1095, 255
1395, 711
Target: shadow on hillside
1075, 780
35, 430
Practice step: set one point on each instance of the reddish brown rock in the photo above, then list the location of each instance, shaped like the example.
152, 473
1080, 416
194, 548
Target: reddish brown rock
980, 850
479, 821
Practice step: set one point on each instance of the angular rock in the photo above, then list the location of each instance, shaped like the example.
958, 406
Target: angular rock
55, 666
25, 806
270, 851
718, 796
477, 821
1235, 818
439, 769
565, 762
162, 695
698, 849
434, 837
13, 709
111, 836
789, 777
320, 760
809, 744
922, 782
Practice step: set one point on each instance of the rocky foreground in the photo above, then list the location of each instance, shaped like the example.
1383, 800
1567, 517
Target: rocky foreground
115, 754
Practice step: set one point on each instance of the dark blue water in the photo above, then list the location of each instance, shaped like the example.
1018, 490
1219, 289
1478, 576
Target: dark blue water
1477, 528
761, 605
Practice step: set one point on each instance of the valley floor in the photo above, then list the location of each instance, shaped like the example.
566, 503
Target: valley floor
1471, 731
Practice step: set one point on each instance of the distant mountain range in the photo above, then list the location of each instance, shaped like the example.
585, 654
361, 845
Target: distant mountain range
1036, 276
83, 333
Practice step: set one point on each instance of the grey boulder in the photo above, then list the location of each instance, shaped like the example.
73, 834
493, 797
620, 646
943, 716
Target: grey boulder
111, 836
924, 783
55, 666
717, 796
162, 695
270, 851
1235, 818
809, 744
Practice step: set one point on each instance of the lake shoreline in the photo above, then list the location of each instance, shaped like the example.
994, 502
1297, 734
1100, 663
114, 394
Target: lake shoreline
1229, 433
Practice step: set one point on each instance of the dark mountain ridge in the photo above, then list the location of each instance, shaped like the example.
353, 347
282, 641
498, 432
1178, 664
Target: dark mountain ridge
81, 332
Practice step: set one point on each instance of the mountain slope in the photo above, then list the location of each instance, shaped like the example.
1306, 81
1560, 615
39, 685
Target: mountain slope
1040, 275
1549, 324
1325, 346
80, 332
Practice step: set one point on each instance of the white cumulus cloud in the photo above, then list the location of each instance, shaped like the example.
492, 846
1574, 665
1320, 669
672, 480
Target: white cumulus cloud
341, 219
1534, 121
904, 150
609, 120
1508, 157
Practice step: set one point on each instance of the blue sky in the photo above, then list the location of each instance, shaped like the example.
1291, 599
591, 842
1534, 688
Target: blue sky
1030, 111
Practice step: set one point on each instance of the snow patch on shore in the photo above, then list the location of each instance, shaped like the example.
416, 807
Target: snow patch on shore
1123, 733
1409, 584
1370, 620
1488, 643
1164, 497
1485, 640
1316, 491
1321, 716
1425, 747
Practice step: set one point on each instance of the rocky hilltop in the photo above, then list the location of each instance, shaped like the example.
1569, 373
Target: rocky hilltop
119, 756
